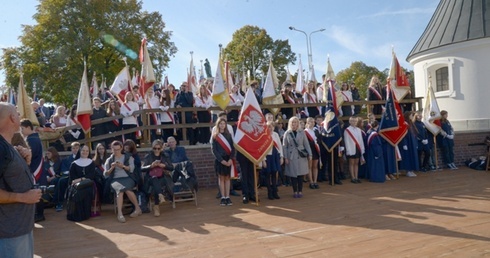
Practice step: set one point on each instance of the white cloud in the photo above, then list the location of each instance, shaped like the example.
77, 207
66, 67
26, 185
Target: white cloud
401, 12
351, 41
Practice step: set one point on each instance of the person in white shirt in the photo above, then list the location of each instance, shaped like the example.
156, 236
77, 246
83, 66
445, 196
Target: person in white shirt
151, 101
203, 100
354, 148
166, 117
127, 110
236, 99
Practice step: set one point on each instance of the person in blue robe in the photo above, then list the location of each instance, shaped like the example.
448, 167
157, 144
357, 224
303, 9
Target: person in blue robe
375, 160
408, 147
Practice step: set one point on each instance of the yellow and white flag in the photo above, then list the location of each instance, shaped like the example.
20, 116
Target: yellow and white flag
432, 113
24, 106
220, 92
330, 82
270, 94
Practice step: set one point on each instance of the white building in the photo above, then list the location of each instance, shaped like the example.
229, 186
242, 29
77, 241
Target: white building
453, 54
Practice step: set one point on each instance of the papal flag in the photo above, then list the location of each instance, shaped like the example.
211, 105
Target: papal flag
220, 92
84, 104
94, 86
122, 84
270, 94
312, 75
398, 79
252, 138
392, 126
191, 78
432, 113
147, 76
24, 106
288, 75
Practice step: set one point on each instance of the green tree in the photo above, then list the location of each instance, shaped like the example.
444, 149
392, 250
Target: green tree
67, 32
360, 74
250, 48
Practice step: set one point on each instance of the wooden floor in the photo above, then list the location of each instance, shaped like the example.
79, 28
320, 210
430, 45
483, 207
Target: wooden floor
444, 213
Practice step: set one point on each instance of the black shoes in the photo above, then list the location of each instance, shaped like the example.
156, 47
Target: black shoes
222, 202
245, 199
228, 202
39, 218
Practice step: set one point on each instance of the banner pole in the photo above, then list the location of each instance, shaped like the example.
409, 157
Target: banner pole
255, 186
332, 167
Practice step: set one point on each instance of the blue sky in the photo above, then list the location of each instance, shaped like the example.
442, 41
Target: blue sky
355, 30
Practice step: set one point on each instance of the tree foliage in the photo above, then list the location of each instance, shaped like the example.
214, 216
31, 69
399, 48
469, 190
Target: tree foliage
101, 32
360, 74
250, 48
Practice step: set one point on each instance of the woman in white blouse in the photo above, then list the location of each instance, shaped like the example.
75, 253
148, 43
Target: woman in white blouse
203, 100
151, 101
236, 99
127, 110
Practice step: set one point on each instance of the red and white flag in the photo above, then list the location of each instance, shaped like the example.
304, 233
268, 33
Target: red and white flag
84, 104
252, 138
122, 83
147, 76
398, 79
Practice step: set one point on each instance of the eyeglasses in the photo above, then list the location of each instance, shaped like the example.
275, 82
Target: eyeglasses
157, 148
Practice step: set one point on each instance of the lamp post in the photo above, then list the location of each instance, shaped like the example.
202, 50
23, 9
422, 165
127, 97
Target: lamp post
253, 62
308, 45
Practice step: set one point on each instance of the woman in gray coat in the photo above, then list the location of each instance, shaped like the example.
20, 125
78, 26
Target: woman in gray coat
296, 166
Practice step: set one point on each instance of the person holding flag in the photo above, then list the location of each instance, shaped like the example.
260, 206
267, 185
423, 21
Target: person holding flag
272, 163
151, 101
446, 141
224, 152
423, 148
409, 154
129, 121
375, 160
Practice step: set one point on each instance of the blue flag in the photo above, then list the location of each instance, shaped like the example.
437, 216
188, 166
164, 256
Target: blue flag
331, 135
392, 127
12, 99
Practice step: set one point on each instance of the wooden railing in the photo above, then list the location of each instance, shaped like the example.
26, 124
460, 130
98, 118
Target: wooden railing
145, 140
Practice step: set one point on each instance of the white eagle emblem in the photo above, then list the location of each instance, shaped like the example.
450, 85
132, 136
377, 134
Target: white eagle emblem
253, 123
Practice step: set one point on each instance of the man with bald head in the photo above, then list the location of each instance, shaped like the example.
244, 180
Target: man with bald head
17, 196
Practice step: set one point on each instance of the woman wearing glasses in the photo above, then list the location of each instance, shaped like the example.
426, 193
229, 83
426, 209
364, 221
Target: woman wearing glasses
157, 166
118, 168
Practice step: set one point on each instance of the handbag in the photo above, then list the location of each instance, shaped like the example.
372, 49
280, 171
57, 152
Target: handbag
156, 172
84, 184
302, 152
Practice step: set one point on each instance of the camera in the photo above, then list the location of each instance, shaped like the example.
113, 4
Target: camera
42, 187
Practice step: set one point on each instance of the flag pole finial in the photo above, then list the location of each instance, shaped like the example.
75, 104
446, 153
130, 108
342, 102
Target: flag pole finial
125, 61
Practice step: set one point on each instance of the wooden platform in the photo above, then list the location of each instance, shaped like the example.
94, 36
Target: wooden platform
444, 213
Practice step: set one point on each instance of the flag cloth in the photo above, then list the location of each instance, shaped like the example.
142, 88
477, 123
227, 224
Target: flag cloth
300, 80
121, 84
431, 112
252, 138
270, 94
392, 126
312, 75
398, 79
229, 78
84, 104
288, 75
332, 135
191, 78
94, 86
244, 82
329, 83
147, 76
135, 78
12, 98
24, 106
220, 92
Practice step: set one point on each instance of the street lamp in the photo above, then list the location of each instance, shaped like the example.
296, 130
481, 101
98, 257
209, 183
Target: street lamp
308, 45
253, 62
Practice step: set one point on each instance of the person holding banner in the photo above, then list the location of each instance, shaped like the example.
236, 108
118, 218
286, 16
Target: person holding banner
446, 141
297, 152
408, 151
354, 148
375, 160
223, 152
272, 164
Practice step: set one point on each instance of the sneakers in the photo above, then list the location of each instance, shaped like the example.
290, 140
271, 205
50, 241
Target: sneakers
156, 210
135, 214
411, 174
387, 178
228, 201
392, 177
223, 201
59, 207
452, 166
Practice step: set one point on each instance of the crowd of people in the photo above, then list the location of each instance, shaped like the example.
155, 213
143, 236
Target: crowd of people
298, 156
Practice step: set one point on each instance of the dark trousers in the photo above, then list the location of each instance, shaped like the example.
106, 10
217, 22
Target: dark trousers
247, 176
447, 154
297, 183
322, 170
271, 182
129, 136
60, 183
425, 162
